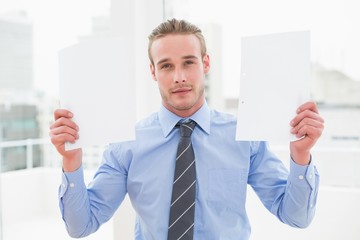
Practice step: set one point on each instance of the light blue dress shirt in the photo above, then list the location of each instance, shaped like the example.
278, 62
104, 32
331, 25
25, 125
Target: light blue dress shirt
144, 169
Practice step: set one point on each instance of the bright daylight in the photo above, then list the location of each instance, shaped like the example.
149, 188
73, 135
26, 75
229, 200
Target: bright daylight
241, 122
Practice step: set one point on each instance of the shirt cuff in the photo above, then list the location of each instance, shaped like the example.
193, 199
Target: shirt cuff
302, 176
72, 182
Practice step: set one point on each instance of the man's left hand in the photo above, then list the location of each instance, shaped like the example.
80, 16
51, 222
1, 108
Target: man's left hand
307, 125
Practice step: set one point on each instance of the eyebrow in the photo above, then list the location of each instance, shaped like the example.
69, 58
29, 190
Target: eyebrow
189, 57
184, 57
162, 61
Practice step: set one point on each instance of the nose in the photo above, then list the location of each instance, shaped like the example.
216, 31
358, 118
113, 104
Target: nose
179, 76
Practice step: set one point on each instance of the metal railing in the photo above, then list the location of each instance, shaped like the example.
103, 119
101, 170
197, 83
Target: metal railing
51, 152
49, 155
28, 144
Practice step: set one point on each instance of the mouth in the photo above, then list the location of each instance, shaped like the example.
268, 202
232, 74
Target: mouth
181, 90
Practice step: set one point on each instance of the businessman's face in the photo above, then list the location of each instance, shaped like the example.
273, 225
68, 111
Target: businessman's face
180, 72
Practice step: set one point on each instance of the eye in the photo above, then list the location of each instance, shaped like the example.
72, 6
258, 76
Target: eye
165, 66
189, 62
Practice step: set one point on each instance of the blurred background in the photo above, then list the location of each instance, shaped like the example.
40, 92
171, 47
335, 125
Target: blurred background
33, 31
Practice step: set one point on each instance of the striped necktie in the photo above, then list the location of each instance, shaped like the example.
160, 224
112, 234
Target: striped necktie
182, 209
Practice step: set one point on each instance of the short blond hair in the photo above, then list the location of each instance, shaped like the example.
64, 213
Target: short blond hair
175, 26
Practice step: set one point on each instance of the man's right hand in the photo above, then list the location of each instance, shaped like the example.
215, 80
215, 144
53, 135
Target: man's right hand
65, 130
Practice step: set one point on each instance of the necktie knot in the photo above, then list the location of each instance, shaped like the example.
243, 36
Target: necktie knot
186, 128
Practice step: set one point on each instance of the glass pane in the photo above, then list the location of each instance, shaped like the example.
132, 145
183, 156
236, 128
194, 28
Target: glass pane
31, 34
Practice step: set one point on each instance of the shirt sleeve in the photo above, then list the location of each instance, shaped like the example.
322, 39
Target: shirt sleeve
298, 206
291, 196
83, 208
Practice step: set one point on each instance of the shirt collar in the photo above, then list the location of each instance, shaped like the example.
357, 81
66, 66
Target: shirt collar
168, 120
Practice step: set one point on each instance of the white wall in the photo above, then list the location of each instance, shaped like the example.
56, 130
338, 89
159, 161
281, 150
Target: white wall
30, 206
135, 20
335, 219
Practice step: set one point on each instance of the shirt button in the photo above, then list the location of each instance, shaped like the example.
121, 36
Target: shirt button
301, 177
63, 185
72, 185
310, 176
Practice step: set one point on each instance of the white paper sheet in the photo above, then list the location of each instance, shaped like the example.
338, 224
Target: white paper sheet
275, 78
97, 86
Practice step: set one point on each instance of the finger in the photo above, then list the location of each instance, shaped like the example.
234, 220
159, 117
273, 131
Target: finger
64, 129
60, 139
59, 113
312, 106
309, 131
307, 122
306, 114
63, 121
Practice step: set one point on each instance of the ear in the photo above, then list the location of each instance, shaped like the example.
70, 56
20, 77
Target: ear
206, 62
152, 69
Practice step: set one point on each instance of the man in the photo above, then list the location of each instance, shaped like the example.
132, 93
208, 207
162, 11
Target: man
145, 168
